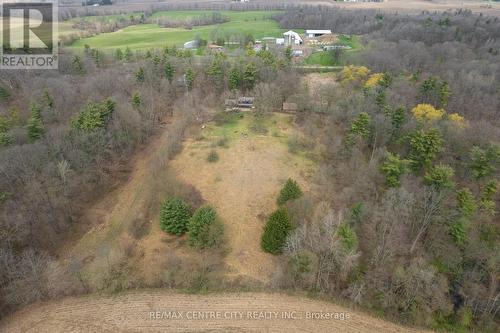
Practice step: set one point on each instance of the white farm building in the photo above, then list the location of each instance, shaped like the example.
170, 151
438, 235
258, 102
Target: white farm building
292, 38
317, 33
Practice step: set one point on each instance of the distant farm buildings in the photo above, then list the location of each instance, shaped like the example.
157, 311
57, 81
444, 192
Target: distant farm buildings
215, 48
292, 38
192, 44
269, 40
317, 33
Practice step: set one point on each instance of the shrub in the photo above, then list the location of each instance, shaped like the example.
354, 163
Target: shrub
174, 216
426, 112
361, 125
136, 101
487, 201
374, 80
357, 213
5, 139
204, 228
393, 168
276, 232
4, 94
213, 156
440, 176
360, 128
90, 119
35, 125
424, 146
466, 203
348, 236
294, 144
223, 142
483, 162
3, 196
94, 116
458, 230
140, 75
290, 191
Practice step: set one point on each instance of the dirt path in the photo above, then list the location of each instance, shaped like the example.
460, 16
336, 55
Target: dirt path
243, 312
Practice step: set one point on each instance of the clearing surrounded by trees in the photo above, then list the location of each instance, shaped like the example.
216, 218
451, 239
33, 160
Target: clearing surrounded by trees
296, 168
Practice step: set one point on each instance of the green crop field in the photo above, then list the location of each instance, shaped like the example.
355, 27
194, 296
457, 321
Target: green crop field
145, 36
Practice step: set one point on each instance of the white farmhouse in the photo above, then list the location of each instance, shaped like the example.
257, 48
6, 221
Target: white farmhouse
292, 38
317, 33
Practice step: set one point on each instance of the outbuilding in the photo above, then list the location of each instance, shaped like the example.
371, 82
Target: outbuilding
317, 33
192, 44
292, 38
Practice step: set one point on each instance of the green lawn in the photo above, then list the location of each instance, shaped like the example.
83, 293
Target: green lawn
352, 41
145, 36
325, 58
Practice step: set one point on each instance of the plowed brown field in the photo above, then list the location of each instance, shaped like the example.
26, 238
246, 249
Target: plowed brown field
148, 311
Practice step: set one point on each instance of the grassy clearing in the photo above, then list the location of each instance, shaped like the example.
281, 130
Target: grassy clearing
235, 125
353, 41
144, 36
275, 128
327, 58
243, 184
323, 58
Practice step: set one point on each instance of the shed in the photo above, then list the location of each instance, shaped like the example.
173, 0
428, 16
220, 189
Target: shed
290, 107
246, 102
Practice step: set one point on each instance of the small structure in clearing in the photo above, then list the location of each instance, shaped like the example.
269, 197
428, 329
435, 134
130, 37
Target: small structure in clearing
289, 107
240, 103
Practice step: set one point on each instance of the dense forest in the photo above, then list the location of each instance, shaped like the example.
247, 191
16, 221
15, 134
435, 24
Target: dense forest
404, 215
66, 138
418, 166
